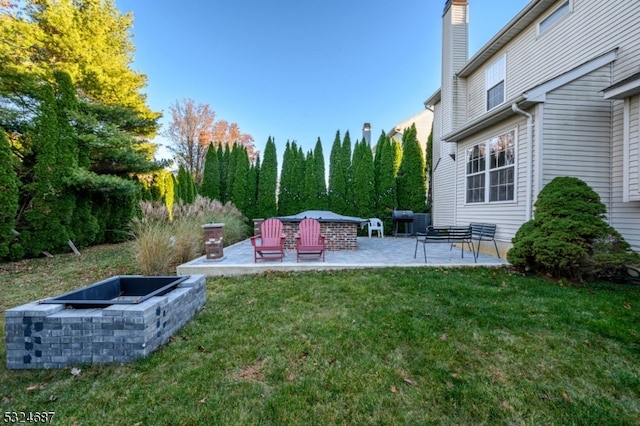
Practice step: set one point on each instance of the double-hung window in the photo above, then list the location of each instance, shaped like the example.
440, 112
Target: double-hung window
495, 83
490, 170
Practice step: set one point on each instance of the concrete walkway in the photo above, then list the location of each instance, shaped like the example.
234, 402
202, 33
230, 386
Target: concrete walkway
371, 253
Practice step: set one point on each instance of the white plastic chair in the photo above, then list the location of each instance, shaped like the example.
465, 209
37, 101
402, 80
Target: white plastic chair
375, 224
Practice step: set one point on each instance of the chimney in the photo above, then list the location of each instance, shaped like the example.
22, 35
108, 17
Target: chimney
366, 133
455, 54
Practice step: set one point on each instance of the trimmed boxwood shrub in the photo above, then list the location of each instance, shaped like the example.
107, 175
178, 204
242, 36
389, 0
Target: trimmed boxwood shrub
569, 236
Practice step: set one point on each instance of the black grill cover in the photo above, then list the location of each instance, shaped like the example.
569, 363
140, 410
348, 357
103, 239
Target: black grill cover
402, 216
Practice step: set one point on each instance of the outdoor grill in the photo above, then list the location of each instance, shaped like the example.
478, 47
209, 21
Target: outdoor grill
402, 217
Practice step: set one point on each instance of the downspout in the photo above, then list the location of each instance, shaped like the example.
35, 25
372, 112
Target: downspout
529, 191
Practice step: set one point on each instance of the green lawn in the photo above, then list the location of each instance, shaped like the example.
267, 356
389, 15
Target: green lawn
384, 346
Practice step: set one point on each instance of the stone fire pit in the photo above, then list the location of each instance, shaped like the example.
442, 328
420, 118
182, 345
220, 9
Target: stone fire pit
116, 320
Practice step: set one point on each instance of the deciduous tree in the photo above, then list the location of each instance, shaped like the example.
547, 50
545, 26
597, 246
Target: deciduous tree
193, 127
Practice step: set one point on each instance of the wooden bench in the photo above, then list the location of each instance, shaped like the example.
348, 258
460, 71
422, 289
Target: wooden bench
483, 232
449, 234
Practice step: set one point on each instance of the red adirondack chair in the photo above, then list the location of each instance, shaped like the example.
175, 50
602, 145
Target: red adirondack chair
269, 245
309, 240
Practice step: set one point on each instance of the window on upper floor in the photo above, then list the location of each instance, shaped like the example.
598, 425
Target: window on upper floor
495, 83
560, 12
490, 170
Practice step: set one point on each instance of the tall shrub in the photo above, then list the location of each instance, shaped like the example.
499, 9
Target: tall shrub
268, 181
320, 199
385, 179
45, 225
411, 179
363, 180
211, 176
8, 195
569, 236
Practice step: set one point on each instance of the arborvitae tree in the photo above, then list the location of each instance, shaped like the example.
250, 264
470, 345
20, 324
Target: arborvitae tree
252, 187
186, 186
347, 169
337, 178
241, 195
376, 159
297, 183
165, 187
223, 157
428, 169
291, 180
211, 176
386, 192
363, 180
231, 171
8, 195
309, 184
44, 227
83, 226
178, 194
268, 182
320, 200
285, 196
411, 179
397, 155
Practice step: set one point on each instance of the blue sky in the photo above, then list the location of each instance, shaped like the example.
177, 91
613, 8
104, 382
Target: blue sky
303, 69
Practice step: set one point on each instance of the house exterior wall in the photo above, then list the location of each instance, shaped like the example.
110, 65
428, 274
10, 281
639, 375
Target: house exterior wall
423, 121
591, 29
443, 209
576, 131
511, 214
624, 213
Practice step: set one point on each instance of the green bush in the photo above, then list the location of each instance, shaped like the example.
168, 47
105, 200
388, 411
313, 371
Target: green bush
569, 236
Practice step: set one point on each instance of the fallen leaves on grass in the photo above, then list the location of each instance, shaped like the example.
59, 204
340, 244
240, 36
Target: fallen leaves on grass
34, 387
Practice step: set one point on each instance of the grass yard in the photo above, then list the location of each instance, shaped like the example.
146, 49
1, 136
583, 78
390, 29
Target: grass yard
361, 347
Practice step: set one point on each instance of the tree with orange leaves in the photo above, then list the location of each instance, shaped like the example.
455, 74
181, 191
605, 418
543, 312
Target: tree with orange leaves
194, 127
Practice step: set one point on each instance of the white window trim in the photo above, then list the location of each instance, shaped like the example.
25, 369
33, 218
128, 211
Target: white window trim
487, 171
502, 58
630, 173
541, 30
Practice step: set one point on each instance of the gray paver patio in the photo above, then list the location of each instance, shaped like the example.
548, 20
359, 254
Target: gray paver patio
371, 253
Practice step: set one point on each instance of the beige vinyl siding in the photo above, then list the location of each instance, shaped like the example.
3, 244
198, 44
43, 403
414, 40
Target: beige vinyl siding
443, 212
455, 49
624, 216
508, 215
576, 133
633, 173
591, 29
